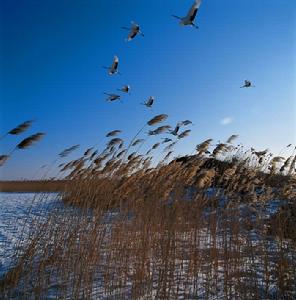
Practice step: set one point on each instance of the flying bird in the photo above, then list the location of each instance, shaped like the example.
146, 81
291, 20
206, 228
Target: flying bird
112, 97
114, 67
134, 30
125, 89
189, 18
247, 84
149, 102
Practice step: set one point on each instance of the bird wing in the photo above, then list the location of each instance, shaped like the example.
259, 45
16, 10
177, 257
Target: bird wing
114, 97
193, 10
115, 63
135, 27
134, 30
132, 34
149, 102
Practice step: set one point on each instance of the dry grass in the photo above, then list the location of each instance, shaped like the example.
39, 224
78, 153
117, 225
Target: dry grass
191, 228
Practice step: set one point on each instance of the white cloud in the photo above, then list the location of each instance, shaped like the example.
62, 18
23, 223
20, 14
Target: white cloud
226, 121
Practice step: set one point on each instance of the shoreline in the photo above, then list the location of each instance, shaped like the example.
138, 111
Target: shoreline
34, 186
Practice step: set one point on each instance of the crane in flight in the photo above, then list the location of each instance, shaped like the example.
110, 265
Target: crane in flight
247, 84
134, 30
149, 102
112, 97
113, 69
125, 89
189, 18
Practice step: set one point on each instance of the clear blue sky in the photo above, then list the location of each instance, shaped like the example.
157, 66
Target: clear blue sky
52, 52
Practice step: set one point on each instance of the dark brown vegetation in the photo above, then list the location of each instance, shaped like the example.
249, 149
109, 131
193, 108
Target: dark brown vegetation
36, 186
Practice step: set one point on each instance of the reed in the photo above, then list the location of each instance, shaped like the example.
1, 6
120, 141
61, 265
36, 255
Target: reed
184, 228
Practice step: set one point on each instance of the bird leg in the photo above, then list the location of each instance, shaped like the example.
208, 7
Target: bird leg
179, 18
195, 26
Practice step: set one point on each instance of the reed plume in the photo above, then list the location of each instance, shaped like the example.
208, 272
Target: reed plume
121, 153
286, 164
29, 141
113, 133
114, 141
88, 152
220, 148
203, 147
159, 130
67, 151
184, 134
157, 119
168, 155
170, 146
19, 129
232, 138
166, 140
137, 142
292, 166
260, 153
155, 146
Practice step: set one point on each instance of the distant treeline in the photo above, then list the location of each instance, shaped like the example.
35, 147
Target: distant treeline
32, 186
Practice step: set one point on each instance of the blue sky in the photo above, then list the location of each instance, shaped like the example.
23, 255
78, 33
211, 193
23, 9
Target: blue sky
52, 52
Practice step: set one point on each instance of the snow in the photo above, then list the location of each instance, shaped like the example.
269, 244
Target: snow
17, 213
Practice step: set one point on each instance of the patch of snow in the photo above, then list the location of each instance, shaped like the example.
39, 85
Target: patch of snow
18, 211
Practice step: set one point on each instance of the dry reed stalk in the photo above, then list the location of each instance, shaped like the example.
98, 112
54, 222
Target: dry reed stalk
3, 159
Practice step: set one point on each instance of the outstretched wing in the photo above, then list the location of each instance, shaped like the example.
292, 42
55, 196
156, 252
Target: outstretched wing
115, 63
193, 10
150, 101
132, 34
114, 97
134, 31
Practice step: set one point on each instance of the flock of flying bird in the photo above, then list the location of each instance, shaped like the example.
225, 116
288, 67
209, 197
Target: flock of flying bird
135, 30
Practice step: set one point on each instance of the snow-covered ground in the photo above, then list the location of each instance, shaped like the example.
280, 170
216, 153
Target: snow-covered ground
17, 213
20, 211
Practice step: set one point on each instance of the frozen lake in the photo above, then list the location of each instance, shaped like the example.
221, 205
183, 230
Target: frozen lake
17, 213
